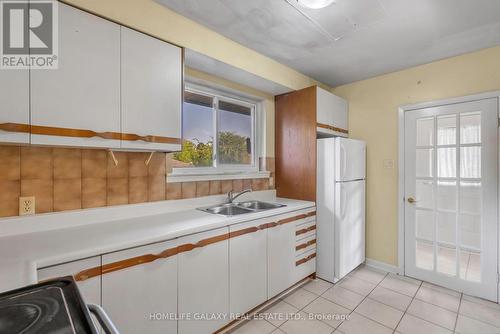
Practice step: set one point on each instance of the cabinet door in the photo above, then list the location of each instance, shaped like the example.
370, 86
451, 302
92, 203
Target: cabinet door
203, 281
90, 289
323, 107
14, 106
281, 258
138, 297
331, 112
247, 266
79, 103
151, 84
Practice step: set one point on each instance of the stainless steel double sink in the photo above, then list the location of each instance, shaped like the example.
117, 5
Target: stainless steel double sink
240, 208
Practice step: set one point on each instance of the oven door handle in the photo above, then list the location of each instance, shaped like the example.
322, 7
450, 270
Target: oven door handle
102, 317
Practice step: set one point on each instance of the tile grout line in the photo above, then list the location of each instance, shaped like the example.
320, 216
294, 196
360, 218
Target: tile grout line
406, 310
366, 297
317, 297
458, 312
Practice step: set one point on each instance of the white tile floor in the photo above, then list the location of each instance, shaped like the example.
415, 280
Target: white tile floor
370, 302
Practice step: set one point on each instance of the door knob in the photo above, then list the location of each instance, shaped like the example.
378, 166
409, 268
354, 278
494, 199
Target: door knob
411, 200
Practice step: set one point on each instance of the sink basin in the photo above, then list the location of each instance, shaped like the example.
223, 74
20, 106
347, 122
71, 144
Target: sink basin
257, 205
227, 210
233, 209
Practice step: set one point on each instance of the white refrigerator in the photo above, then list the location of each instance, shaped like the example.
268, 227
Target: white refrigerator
340, 206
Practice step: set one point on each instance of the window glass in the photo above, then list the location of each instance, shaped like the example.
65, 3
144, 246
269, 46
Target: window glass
197, 132
217, 132
235, 134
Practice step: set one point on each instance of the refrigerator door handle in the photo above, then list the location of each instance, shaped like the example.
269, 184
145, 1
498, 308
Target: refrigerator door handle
344, 161
343, 196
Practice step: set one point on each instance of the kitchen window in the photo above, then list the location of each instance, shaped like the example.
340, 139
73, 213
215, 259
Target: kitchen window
219, 134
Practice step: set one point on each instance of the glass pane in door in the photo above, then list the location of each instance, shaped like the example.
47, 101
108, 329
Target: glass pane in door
447, 127
446, 260
425, 159
470, 162
424, 255
425, 131
470, 128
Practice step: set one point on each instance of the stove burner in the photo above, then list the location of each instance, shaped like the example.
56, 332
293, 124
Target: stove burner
39, 311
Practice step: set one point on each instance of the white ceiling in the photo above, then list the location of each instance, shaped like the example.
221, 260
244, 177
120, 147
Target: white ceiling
352, 39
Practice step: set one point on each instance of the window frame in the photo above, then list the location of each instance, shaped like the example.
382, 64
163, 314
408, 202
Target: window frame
221, 169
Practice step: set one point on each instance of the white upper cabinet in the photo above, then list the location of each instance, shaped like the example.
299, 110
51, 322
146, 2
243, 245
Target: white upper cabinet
133, 296
203, 281
14, 106
331, 113
151, 92
247, 265
78, 104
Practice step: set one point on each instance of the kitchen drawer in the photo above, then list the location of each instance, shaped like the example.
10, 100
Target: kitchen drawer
305, 245
305, 230
305, 264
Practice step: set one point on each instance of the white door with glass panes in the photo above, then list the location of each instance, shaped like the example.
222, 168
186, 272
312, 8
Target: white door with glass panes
451, 165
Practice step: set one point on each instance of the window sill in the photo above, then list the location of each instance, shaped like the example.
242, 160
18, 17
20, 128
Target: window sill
172, 178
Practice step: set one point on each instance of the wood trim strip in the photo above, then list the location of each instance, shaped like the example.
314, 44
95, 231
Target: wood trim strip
305, 230
306, 259
252, 229
150, 138
15, 127
305, 244
147, 258
333, 128
311, 214
298, 217
82, 133
68, 132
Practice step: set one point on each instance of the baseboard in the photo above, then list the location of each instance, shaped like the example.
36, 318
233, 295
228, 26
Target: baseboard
382, 266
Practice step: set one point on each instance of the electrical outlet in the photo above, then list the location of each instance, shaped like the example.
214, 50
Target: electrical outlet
26, 206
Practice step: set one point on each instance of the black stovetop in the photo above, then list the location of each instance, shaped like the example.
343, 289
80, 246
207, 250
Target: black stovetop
52, 307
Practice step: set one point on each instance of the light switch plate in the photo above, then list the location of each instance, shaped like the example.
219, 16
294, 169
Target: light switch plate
26, 206
388, 163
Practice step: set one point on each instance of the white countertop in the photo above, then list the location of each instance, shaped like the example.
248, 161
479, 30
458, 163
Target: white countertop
29, 243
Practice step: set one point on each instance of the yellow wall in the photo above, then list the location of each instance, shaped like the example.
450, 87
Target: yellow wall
267, 102
373, 117
157, 20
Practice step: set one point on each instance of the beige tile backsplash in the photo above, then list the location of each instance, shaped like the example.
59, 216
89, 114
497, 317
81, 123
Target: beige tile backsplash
68, 179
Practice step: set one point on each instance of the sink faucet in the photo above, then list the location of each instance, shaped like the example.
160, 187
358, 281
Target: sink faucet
231, 197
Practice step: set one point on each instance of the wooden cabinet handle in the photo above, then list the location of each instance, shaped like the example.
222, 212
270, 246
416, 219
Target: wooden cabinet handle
147, 258
252, 229
15, 127
304, 260
305, 230
333, 128
150, 138
82, 133
123, 264
306, 244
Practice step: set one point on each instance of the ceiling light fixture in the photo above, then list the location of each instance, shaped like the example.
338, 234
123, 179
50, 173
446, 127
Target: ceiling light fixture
315, 4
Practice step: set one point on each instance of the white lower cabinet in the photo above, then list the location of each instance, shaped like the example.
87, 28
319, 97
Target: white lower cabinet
191, 285
247, 266
204, 282
281, 258
142, 298
90, 289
